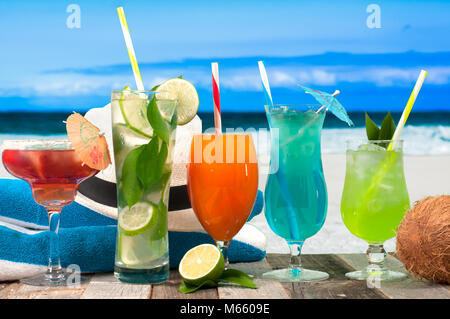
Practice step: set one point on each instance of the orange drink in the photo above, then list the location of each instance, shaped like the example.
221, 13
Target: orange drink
222, 180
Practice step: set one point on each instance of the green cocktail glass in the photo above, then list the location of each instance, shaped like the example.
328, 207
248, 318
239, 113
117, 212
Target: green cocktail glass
143, 125
374, 201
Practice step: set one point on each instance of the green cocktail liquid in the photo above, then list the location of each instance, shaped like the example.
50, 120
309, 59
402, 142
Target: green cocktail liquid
375, 196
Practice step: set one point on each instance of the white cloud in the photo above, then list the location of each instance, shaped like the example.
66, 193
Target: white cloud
323, 77
238, 79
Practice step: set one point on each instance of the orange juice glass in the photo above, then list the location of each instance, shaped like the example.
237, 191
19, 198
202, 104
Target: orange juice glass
222, 181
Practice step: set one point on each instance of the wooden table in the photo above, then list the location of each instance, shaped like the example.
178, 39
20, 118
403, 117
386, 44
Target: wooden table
105, 286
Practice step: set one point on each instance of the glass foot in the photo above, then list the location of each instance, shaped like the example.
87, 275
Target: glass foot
376, 275
295, 275
142, 276
61, 279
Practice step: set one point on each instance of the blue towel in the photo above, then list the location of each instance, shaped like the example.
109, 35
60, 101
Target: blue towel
87, 238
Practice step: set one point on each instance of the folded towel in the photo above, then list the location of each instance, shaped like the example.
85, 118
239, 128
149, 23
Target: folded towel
88, 238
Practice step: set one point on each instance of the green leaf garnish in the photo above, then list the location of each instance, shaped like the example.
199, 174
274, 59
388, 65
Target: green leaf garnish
151, 160
372, 129
237, 277
386, 132
232, 276
186, 288
157, 122
131, 186
387, 128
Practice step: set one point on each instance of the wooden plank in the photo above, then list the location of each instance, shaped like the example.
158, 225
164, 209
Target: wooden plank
8, 289
105, 286
41, 292
267, 289
410, 288
336, 287
169, 290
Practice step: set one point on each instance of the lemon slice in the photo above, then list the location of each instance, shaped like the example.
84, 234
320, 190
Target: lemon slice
186, 95
137, 219
201, 263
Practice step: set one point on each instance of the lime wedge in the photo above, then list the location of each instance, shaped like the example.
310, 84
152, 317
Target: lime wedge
201, 263
187, 97
134, 112
137, 219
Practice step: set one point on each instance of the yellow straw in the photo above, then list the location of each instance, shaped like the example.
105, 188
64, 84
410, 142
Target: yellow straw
129, 44
407, 109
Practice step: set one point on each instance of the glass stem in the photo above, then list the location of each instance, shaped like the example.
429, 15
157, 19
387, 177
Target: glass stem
223, 246
296, 259
54, 271
376, 256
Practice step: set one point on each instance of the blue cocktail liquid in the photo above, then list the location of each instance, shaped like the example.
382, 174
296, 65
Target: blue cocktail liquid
295, 194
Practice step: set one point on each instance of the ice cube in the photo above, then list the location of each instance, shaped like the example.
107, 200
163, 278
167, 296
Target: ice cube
371, 147
125, 140
386, 186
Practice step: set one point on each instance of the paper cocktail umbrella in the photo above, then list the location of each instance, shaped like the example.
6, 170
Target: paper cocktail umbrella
87, 140
330, 102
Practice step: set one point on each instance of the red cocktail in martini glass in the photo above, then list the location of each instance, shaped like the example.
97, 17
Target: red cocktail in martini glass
54, 170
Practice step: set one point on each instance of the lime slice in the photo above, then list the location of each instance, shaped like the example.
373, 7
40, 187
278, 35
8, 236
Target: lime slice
187, 97
201, 263
137, 219
134, 112
134, 250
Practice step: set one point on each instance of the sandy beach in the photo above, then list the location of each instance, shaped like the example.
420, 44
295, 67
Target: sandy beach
425, 175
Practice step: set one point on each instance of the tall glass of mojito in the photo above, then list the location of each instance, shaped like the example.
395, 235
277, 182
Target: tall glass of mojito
143, 124
374, 200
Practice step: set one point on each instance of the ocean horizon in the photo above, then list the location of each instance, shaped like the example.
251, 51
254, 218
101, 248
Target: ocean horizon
426, 133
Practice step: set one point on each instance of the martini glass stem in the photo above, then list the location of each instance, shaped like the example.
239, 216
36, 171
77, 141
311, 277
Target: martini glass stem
54, 271
223, 246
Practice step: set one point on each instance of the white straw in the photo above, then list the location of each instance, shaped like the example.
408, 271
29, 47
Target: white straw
265, 80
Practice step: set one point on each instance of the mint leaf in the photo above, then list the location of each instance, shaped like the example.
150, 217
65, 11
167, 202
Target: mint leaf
372, 129
157, 122
387, 128
151, 160
237, 277
131, 186
186, 288
160, 229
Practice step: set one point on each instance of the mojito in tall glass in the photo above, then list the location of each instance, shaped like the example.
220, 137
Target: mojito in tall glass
143, 124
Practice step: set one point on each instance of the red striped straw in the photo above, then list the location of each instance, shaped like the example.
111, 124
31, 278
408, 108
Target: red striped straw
216, 95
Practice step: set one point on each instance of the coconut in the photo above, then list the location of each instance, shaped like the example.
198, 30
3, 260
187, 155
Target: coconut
423, 239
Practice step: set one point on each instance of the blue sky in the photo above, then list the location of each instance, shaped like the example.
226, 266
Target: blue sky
44, 65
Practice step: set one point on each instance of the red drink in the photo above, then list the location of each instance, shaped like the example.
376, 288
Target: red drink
54, 171
54, 175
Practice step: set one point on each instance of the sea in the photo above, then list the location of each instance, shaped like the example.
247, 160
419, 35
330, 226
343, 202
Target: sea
426, 133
